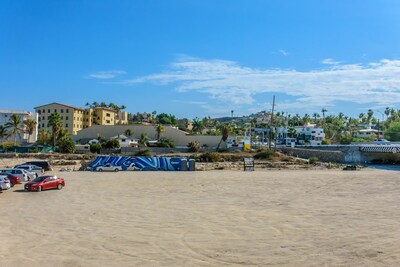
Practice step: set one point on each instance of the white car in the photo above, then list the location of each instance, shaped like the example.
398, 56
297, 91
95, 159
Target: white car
4, 182
38, 171
108, 167
23, 175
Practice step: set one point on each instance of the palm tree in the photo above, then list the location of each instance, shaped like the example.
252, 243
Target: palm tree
225, 130
143, 139
197, 125
315, 115
3, 132
324, 110
56, 125
44, 137
15, 125
370, 113
30, 126
159, 129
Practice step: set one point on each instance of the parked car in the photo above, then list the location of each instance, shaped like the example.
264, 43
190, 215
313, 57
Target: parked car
381, 141
4, 182
45, 165
31, 168
13, 179
109, 167
23, 175
45, 182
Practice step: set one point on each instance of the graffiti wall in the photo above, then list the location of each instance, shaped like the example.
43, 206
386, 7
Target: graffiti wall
144, 163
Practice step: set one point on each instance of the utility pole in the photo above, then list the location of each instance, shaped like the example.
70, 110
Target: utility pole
272, 120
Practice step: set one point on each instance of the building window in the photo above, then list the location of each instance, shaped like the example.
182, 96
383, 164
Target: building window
39, 119
39, 111
67, 110
48, 111
62, 110
108, 114
44, 111
44, 118
66, 125
43, 125
66, 117
55, 110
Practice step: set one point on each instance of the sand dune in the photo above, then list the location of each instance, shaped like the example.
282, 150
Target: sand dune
214, 218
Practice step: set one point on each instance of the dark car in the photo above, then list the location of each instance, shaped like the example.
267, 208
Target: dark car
45, 182
45, 165
13, 179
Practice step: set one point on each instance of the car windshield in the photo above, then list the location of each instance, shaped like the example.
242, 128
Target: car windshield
39, 179
23, 167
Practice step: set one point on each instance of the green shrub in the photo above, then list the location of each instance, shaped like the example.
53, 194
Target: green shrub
223, 150
113, 143
210, 157
313, 160
265, 154
66, 145
194, 146
143, 153
95, 148
166, 142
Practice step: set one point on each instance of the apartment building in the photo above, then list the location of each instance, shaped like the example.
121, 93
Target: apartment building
71, 117
23, 136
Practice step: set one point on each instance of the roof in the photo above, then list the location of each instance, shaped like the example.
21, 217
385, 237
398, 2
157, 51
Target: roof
11, 111
109, 109
55, 103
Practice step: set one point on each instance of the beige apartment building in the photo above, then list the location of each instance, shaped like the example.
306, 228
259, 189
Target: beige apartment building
75, 119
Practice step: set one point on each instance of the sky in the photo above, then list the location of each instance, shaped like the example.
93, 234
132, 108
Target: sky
197, 58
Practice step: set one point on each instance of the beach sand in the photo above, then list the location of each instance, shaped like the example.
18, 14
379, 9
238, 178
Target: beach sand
212, 218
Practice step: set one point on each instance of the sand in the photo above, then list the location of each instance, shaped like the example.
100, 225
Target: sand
213, 218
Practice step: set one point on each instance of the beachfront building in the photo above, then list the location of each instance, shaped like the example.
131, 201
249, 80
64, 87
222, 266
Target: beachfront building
75, 119
312, 135
126, 141
72, 118
23, 137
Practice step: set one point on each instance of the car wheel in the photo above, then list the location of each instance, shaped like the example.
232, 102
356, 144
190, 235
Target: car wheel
39, 188
116, 170
59, 186
100, 170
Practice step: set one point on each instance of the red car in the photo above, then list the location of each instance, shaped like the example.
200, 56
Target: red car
13, 179
45, 182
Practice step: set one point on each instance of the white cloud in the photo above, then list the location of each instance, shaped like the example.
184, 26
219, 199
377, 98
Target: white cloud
283, 52
106, 74
330, 61
226, 82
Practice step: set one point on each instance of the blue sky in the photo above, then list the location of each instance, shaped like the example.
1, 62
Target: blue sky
202, 58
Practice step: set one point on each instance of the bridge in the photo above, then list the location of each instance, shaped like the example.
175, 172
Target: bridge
350, 154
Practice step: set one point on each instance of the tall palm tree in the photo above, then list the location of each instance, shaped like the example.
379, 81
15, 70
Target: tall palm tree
315, 115
56, 125
370, 113
225, 130
30, 126
324, 110
128, 132
3, 132
159, 129
15, 125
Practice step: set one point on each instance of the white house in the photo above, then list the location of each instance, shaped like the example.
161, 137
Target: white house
367, 133
23, 137
314, 136
125, 141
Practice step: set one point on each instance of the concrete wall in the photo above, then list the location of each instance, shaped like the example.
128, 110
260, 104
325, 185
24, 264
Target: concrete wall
179, 137
326, 156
